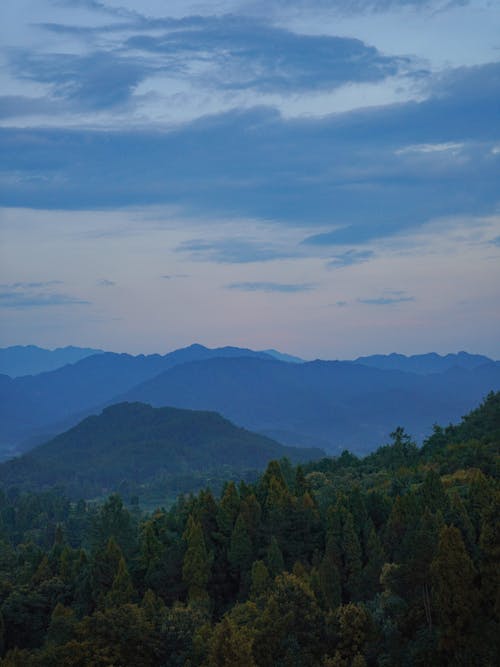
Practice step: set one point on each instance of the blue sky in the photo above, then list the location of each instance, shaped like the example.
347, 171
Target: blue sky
319, 177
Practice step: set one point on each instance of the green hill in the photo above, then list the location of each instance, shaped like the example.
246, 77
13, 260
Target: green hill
135, 444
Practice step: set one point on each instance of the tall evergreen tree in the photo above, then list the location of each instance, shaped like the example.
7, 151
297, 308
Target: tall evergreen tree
197, 563
455, 596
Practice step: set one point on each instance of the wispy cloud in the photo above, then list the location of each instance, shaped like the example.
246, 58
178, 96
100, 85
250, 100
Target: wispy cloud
95, 81
234, 251
30, 285
350, 257
32, 299
387, 300
287, 288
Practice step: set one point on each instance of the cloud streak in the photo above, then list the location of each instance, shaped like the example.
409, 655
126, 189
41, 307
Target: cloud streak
31, 299
282, 288
234, 251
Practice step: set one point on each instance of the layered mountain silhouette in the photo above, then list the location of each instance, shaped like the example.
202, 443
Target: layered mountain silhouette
40, 405
424, 363
138, 443
20, 360
329, 404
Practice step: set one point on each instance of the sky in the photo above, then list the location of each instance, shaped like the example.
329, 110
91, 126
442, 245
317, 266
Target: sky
316, 176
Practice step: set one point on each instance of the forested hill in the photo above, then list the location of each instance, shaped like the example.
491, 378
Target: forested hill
331, 404
139, 444
387, 561
43, 405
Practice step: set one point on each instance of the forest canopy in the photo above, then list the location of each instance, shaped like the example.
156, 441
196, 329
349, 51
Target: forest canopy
390, 560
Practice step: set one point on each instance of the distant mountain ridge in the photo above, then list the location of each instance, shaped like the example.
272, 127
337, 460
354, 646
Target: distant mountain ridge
34, 405
331, 404
138, 443
424, 363
19, 360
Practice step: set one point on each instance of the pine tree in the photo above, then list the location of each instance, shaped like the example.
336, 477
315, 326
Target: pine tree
240, 549
454, 593
122, 590
329, 579
104, 570
351, 558
197, 563
228, 510
274, 560
261, 581
375, 558
230, 646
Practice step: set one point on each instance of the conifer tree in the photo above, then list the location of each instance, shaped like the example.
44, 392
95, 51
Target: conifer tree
274, 561
228, 510
230, 646
122, 590
261, 581
240, 548
197, 563
351, 558
458, 516
454, 592
329, 586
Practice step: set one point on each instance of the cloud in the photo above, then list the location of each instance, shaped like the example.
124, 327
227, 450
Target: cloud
95, 81
392, 297
350, 257
431, 148
104, 282
227, 52
365, 6
234, 251
495, 241
341, 172
30, 285
175, 276
33, 299
237, 52
15, 106
288, 288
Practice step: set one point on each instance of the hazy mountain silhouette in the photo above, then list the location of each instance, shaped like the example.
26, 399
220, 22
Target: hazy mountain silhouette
40, 404
424, 363
30, 359
138, 443
331, 404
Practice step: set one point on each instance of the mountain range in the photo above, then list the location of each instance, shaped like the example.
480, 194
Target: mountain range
20, 360
328, 404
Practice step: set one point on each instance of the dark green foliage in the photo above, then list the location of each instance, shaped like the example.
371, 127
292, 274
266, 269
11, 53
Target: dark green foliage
141, 444
389, 561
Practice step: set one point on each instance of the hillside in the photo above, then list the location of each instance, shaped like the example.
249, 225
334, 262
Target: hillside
387, 560
138, 444
330, 404
38, 406
334, 405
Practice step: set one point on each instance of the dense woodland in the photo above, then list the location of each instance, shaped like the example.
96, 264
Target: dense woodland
390, 560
